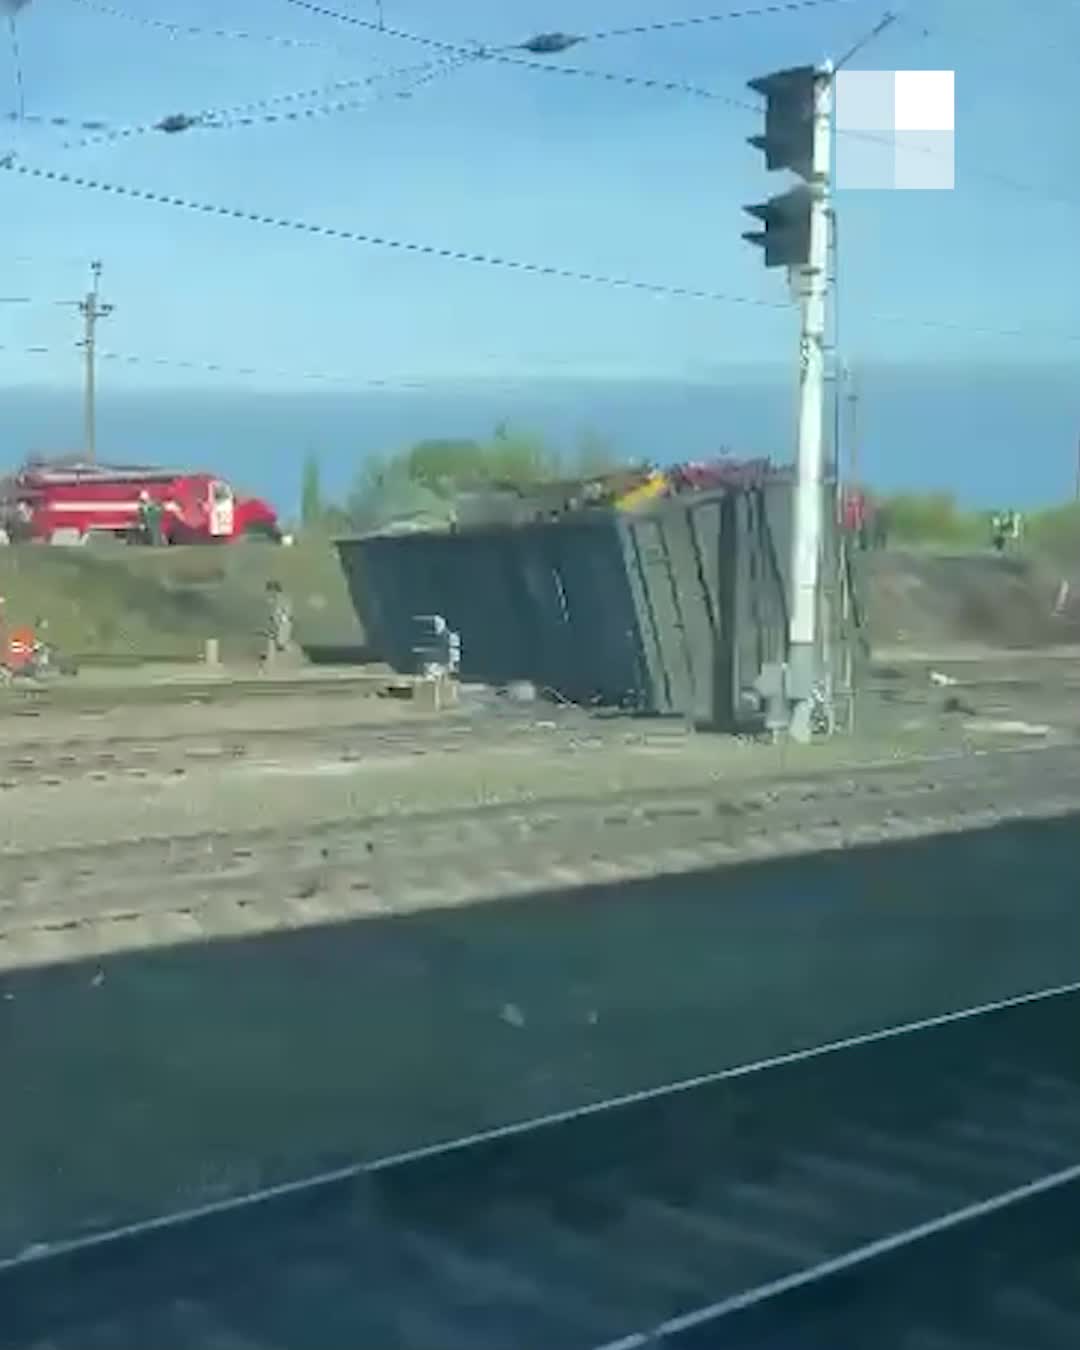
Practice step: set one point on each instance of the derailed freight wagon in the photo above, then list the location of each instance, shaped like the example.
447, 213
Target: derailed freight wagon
674, 609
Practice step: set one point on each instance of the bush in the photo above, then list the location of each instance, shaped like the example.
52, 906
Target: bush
422, 480
933, 518
1056, 532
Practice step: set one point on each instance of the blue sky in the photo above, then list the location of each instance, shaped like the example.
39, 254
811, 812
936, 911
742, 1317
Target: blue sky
578, 173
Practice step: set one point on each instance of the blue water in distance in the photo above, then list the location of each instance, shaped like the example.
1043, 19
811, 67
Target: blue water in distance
991, 436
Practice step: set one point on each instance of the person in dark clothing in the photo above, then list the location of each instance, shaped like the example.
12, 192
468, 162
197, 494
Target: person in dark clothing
279, 624
881, 527
150, 516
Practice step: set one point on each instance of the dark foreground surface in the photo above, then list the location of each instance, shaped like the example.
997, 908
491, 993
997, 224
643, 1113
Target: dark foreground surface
957, 1144
143, 1084
1010, 1281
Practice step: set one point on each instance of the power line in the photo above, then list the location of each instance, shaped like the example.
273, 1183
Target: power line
614, 77
376, 26
660, 25
244, 114
701, 20
226, 121
253, 114
213, 367
219, 368
504, 54
478, 53
17, 67
194, 30
350, 383
241, 115
489, 260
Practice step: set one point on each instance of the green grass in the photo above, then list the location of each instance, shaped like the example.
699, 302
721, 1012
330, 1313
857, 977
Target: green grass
934, 521
118, 603
934, 518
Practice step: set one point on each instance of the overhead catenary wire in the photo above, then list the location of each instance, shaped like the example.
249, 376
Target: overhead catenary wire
510, 54
476, 52
19, 110
217, 368
506, 55
11, 164
659, 25
254, 372
349, 383
446, 253
260, 112
703, 20
243, 115
175, 29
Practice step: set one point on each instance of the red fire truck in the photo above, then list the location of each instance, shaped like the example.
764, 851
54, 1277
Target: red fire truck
69, 502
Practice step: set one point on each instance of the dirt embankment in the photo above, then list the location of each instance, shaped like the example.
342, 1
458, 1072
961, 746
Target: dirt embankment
162, 604
923, 601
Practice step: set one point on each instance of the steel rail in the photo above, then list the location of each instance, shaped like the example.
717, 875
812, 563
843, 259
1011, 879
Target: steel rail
85, 902
753, 1182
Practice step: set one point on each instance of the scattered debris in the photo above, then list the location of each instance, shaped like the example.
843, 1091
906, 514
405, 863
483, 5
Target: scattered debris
1006, 728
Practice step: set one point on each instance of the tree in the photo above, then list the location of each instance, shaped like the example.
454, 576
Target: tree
424, 479
384, 491
596, 455
311, 500
520, 458
444, 465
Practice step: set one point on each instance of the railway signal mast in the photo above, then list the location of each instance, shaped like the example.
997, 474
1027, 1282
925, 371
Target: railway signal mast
794, 234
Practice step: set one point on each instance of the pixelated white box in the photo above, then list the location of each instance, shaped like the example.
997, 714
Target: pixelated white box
895, 129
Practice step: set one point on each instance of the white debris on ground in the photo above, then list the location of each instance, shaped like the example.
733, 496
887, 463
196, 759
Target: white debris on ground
1007, 728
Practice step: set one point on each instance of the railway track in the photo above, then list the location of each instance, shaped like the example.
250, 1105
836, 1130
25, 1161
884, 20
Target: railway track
77, 903
849, 1193
25, 699
38, 761
36, 764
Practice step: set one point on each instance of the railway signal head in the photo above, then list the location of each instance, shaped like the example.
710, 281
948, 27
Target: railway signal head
788, 142
785, 237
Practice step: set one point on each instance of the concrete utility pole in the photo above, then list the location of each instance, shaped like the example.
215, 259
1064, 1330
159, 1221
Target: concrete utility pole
807, 535
1077, 487
92, 309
